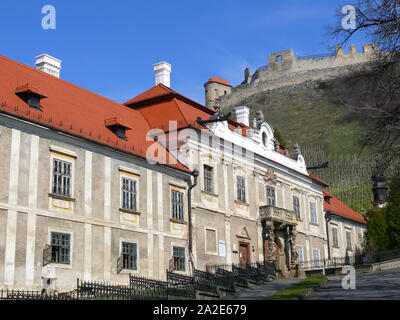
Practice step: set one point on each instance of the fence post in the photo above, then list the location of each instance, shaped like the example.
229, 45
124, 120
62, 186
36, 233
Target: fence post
77, 288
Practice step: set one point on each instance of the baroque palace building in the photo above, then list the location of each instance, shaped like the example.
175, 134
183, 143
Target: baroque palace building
94, 189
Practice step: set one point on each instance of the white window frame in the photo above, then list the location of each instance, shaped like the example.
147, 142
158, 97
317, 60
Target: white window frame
137, 254
302, 253
337, 235
351, 240
174, 244
311, 213
56, 154
50, 230
131, 176
316, 261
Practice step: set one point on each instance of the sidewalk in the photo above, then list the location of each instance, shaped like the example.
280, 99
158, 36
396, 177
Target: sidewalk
263, 290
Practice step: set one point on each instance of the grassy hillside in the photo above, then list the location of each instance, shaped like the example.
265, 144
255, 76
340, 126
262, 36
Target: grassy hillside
308, 116
326, 131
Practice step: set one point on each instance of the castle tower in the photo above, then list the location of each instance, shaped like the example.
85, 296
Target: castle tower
215, 88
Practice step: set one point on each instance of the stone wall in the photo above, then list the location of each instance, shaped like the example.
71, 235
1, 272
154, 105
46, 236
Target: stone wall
284, 69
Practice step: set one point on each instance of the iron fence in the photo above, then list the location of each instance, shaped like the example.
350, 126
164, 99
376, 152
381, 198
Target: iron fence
92, 290
10, 294
205, 281
180, 285
354, 260
150, 289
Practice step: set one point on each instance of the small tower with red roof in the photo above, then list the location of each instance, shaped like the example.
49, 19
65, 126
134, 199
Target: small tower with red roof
215, 88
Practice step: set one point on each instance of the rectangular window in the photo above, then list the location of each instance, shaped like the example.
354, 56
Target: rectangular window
61, 178
177, 205
313, 211
60, 247
316, 258
208, 179
129, 194
241, 189
335, 239
129, 256
300, 254
271, 196
348, 240
178, 258
296, 207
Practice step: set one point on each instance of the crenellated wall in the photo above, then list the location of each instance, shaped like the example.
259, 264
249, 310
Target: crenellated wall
284, 69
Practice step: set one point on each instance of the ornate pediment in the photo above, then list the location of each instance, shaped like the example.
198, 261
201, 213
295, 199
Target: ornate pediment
243, 234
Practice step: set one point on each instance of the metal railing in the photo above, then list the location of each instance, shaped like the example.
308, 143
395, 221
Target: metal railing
225, 277
354, 260
9, 294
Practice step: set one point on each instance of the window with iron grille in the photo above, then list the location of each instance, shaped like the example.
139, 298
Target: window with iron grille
313, 211
129, 194
241, 189
129, 256
208, 178
61, 178
348, 240
296, 207
335, 240
271, 196
178, 258
177, 205
60, 247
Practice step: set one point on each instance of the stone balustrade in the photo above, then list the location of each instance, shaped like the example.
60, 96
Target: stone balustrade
277, 214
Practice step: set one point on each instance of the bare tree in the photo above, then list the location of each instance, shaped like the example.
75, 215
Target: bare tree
374, 91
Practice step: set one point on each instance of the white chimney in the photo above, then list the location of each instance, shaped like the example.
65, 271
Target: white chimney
163, 71
48, 64
242, 115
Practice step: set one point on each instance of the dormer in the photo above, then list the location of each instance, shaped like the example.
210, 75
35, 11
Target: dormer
117, 127
31, 95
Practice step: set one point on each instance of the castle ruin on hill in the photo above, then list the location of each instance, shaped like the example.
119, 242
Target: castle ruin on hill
285, 69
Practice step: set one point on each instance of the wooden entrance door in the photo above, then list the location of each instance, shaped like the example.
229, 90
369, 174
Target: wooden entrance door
244, 254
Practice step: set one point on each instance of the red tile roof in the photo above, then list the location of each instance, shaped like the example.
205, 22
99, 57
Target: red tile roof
315, 178
160, 104
339, 208
73, 110
219, 80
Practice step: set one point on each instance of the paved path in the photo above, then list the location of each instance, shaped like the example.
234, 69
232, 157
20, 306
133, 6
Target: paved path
383, 285
262, 291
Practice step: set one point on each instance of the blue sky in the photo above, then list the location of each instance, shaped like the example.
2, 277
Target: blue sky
109, 47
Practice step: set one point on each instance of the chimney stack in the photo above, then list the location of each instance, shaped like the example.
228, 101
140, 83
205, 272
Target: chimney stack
242, 115
48, 64
163, 71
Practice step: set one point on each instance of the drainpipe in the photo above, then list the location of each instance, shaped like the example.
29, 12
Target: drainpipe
195, 174
328, 218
